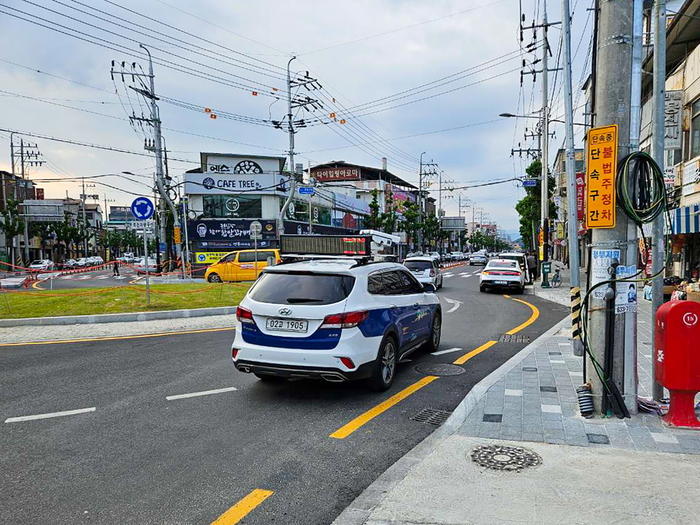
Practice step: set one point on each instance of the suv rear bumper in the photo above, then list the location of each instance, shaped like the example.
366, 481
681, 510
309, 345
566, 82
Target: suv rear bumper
332, 375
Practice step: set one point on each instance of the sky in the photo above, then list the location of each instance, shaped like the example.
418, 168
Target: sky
365, 54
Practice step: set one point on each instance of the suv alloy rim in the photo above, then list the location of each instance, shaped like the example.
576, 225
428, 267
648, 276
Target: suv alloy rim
436, 333
388, 362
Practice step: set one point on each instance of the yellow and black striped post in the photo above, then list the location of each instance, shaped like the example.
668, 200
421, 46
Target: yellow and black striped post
576, 320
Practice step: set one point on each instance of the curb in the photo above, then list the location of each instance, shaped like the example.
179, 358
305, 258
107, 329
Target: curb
118, 318
361, 508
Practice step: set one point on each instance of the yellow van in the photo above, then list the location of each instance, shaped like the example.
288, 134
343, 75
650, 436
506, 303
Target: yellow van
240, 265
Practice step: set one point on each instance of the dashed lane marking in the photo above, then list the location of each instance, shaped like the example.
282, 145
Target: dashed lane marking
448, 351
382, 407
241, 509
49, 415
203, 393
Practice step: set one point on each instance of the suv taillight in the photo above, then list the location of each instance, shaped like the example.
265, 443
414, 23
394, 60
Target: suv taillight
244, 315
346, 320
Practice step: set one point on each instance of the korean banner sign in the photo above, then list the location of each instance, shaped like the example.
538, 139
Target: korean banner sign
601, 166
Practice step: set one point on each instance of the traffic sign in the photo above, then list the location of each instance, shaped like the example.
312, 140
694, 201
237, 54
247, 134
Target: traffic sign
256, 228
142, 225
306, 190
142, 208
601, 167
529, 183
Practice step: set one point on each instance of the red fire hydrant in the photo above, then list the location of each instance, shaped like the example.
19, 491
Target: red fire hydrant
677, 355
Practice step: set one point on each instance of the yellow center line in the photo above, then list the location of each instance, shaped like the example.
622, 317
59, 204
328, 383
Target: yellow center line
36, 286
241, 509
359, 421
532, 319
475, 352
118, 338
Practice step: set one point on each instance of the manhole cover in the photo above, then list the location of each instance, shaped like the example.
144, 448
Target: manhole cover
439, 369
432, 416
507, 338
496, 457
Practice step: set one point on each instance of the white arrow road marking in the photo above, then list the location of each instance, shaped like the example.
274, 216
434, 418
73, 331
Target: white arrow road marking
455, 304
448, 351
205, 393
51, 414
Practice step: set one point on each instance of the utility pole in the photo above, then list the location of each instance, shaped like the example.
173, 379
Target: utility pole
612, 95
156, 146
83, 196
24, 197
295, 101
658, 134
544, 174
574, 264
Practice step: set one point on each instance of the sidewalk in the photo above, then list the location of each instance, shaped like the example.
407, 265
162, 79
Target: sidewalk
605, 470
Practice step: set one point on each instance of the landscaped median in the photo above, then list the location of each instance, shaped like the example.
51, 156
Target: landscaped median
117, 300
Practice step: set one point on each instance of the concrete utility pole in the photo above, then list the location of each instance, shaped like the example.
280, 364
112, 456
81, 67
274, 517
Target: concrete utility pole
544, 182
574, 265
83, 196
658, 134
612, 94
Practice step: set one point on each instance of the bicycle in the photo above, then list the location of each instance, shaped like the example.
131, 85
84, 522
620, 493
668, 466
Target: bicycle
555, 281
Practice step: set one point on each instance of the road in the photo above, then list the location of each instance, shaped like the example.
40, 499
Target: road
92, 279
147, 455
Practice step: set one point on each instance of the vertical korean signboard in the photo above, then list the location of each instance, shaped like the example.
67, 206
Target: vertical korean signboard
601, 166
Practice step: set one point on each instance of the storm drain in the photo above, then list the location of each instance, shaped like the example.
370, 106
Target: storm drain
431, 416
507, 338
439, 369
497, 457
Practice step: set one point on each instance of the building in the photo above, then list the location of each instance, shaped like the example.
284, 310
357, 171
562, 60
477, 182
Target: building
558, 226
230, 191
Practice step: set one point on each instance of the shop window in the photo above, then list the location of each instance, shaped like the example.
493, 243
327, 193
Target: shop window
695, 129
239, 206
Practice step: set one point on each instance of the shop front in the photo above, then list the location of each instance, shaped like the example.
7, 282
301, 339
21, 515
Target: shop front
211, 239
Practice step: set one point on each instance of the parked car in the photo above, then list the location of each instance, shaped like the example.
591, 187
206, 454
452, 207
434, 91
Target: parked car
522, 263
43, 265
426, 270
478, 258
457, 256
69, 264
240, 266
97, 260
334, 320
502, 273
141, 266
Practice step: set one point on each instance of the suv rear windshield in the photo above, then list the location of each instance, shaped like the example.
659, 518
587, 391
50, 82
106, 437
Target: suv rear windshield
418, 265
302, 288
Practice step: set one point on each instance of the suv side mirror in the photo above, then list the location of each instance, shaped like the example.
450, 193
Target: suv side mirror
429, 288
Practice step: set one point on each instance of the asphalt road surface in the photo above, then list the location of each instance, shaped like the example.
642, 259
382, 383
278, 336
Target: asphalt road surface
142, 453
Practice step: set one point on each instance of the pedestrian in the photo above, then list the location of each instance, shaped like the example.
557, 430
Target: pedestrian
532, 266
115, 269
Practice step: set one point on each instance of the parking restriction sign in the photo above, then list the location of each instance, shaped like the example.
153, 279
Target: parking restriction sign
601, 169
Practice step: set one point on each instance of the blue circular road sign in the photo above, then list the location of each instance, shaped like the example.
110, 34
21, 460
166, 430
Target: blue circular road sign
142, 208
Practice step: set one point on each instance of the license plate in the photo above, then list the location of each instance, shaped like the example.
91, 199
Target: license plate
287, 325
500, 282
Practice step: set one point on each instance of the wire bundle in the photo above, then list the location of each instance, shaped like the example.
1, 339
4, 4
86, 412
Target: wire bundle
641, 189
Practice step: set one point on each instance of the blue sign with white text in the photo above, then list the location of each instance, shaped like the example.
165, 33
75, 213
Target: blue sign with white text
306, 190
529, 183
142, 208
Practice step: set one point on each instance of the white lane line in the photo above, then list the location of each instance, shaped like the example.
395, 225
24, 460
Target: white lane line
447, 275
50, 414
463, 273
448, 351
455, 304
205, 393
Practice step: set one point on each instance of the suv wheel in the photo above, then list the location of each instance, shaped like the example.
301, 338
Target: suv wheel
435, 333
385, 366
214, 278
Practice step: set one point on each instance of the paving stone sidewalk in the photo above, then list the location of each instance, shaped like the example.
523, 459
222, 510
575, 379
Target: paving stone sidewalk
536, 401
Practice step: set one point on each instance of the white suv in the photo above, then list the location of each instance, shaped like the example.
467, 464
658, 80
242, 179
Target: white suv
334, 320
426, 270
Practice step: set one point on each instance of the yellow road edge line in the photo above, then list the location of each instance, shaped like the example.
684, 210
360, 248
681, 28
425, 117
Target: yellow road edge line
241, 509
532, 319
36, 286
466, 357
360, 420
118, 337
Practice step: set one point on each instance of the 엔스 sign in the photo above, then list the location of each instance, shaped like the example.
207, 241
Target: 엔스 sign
601, 166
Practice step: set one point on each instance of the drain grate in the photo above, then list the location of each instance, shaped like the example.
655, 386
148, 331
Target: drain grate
439, 369
507, 338
598, 439
497, 457
431, 416
548, 389
529, 369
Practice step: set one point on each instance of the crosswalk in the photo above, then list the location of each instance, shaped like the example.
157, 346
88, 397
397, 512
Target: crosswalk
88, 277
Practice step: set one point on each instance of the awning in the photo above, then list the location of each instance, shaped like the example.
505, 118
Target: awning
685, 219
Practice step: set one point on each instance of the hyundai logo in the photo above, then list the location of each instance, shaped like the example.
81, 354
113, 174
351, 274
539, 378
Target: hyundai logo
285, 311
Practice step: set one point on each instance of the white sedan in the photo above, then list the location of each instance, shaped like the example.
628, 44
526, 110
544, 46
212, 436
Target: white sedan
41, 265
502, 273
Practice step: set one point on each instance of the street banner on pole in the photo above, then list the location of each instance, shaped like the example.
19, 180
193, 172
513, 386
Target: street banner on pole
601, 166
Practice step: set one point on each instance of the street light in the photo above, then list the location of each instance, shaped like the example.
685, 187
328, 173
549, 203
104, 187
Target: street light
511, 115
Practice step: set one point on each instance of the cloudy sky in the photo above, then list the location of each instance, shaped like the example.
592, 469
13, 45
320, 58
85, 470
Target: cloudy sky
397, 71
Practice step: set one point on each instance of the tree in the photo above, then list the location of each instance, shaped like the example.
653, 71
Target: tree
374, 220
431, 229
410, 222
529, 207
389, 218
12, 225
